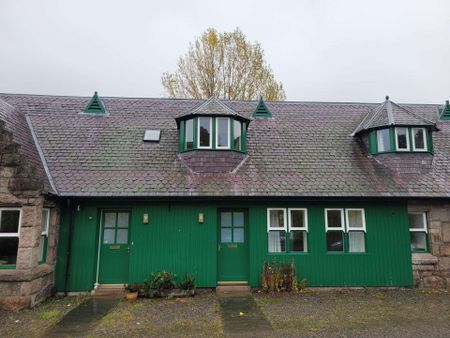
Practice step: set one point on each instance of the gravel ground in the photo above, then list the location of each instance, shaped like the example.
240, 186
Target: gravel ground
33, 323
183, 317
358, 313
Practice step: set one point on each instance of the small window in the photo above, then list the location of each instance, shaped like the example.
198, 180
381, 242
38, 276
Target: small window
298, 228
237, 142
222, 133
43, 244
383, 140
276, 227
419, 139
345, 235
204, 132
9, 236
418, 231
115, 227
402, 139
189, 135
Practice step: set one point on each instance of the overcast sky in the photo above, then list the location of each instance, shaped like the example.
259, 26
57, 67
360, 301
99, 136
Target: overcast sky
320, 50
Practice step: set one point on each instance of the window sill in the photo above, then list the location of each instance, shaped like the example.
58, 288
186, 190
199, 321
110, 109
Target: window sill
211, 149
347, 253
288, 253
6, 267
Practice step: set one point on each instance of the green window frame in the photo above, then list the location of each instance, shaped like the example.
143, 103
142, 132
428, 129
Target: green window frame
43, 242
287, 230
345, 231
387, 140
418, 231
10, 227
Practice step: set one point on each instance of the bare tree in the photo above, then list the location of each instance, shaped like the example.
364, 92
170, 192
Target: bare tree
223, 65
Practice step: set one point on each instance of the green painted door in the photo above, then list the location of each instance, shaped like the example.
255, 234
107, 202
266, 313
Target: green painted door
114, 247
232, 246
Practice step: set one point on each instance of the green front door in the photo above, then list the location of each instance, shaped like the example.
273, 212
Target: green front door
232, 246
114, 247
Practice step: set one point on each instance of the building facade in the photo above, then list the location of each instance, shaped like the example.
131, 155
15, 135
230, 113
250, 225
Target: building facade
105, 191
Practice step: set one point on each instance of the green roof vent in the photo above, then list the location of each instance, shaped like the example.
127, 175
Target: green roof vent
95, 106
261, 109
446, 112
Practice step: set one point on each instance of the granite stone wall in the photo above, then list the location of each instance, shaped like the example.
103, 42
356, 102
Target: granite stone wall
29, 282
433, 269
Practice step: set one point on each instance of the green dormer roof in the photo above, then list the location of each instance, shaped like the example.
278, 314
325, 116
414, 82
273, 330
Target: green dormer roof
95, 106
261, 109
446, 112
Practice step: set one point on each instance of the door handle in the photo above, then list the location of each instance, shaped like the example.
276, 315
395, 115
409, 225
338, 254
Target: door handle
219, 247
128, 249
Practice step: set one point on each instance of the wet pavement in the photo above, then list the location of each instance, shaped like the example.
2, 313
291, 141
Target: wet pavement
241, 317
81, 319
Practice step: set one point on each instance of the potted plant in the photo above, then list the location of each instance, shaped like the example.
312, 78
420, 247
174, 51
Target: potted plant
132, 291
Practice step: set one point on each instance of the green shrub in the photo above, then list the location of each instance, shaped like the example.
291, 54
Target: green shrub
188, 283
156, 284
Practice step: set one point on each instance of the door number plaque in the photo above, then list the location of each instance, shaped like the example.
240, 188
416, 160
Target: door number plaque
114, 247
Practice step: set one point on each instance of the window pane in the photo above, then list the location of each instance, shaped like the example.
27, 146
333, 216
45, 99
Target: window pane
276, 218
122, 236
10, 221
416, 221
225, 235
225, 219
189, 134
108, 236
8, 250
297, 218
277, 241
383, 140
418, 241
45, 219
334, 218
41, 248
110, 219
238, 235
298, 241
356, 241
402, 138
238, 219
205, 131
123, 219
222, 132
355, 219
419, 139
237, 135
335, 241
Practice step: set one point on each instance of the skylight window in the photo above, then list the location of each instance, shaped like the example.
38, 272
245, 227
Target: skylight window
152, 135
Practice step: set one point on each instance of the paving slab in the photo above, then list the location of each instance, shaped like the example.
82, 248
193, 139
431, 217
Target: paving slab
242, 317
83, 318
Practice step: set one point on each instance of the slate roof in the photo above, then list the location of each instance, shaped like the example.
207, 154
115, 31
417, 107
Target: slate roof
391, 114
212, 106
16, 123
305, 150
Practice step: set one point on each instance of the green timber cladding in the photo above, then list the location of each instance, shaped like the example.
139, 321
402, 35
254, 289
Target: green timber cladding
175, 240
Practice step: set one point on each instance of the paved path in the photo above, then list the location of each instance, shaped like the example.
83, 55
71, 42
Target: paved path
242, 317
81, 319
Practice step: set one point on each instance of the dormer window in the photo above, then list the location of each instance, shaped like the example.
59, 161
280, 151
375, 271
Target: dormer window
383, 140
400, 139
223, 133
237, 135
189, 135
204, 132
419, 139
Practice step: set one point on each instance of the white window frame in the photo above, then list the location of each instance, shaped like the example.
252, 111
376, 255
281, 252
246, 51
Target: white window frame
11, 234
193, 134
45, 233
217, 133
342, 228
424, 139
347, 223
305, 219
424, 217
268, 219
379, 138
408, 144
234, 134
210, 132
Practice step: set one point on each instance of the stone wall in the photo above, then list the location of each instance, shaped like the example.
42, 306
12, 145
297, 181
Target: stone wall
30, 282
433, 269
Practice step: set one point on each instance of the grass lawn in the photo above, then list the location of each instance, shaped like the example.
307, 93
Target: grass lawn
348, 313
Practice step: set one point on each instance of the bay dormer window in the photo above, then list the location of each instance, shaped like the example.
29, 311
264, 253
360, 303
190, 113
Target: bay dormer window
419, 139
205, 133
402, 139
223, 133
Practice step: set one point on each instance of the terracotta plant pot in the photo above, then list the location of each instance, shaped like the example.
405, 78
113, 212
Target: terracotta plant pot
131, 296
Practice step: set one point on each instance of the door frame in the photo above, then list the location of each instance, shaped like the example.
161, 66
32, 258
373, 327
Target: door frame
246, 241
100, 235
